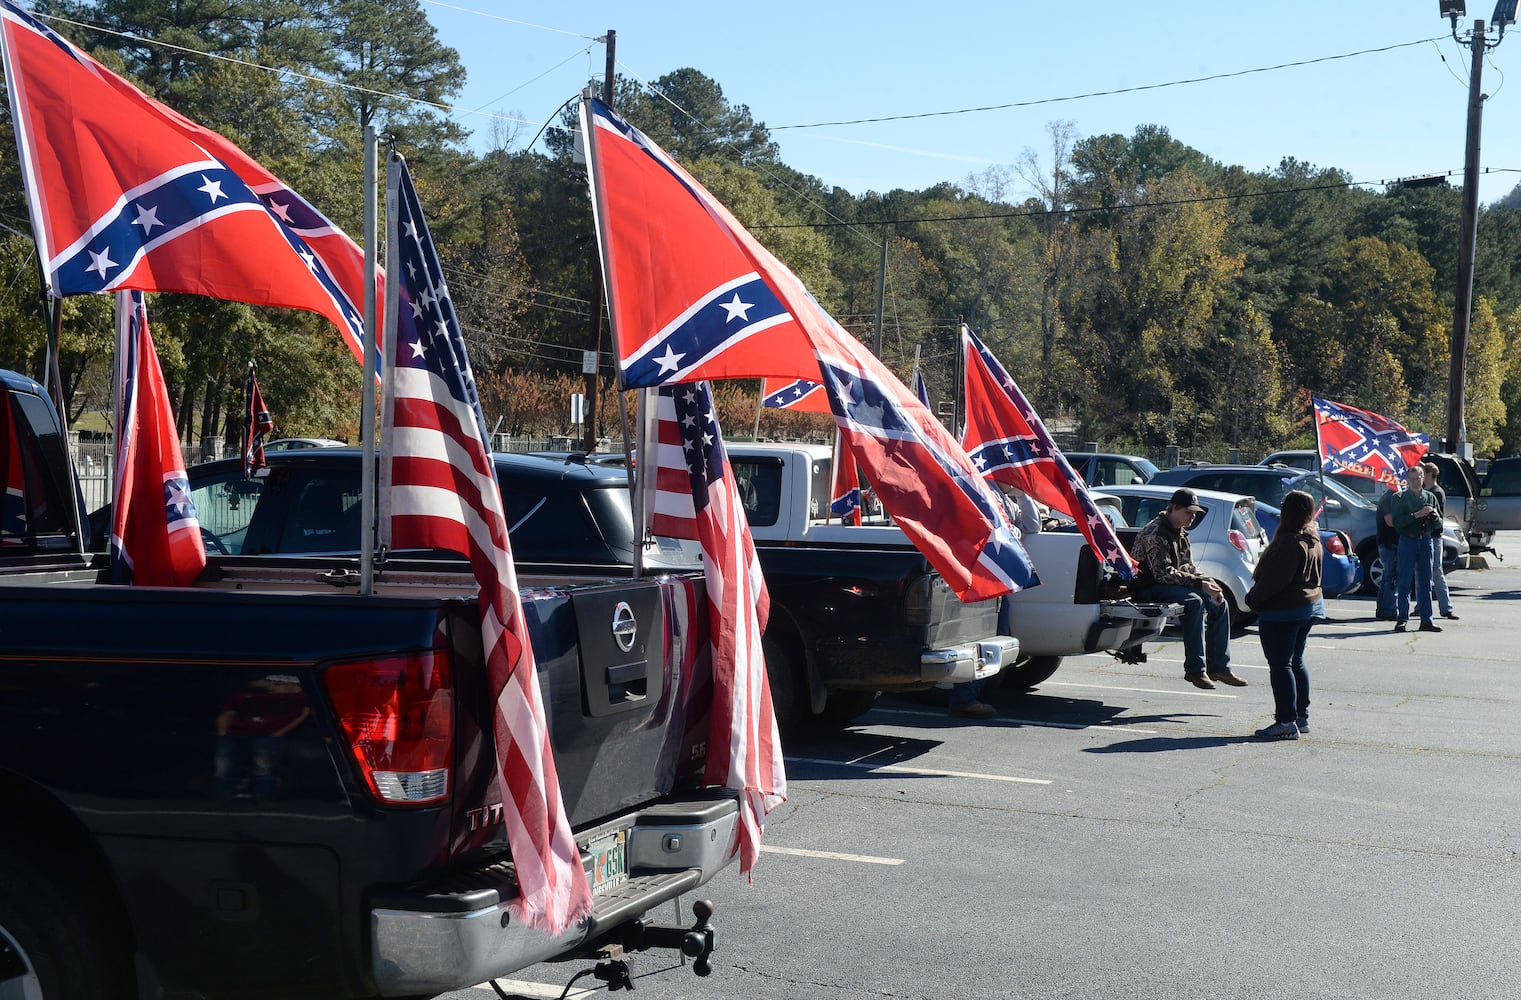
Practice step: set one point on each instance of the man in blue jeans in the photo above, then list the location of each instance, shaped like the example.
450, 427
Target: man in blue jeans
1416, 519
1167, 574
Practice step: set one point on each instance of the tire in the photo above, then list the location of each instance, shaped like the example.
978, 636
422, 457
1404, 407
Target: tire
1373, 569
843, 706
57, 939
1240, 620
790, 698
1028, 672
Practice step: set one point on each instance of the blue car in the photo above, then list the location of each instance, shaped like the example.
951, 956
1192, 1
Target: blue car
1341, 572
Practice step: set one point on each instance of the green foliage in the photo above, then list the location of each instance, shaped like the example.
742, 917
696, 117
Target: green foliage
1137, 289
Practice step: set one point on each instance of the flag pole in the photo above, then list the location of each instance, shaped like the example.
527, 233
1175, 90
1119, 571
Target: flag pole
367, 396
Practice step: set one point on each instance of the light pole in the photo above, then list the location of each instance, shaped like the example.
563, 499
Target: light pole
1479, 43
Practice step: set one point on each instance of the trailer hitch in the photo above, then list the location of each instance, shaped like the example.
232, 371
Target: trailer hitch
697, 942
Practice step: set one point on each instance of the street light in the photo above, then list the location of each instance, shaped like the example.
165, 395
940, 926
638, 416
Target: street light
1462, 307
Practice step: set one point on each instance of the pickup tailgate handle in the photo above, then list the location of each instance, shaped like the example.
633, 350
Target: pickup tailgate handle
624, 674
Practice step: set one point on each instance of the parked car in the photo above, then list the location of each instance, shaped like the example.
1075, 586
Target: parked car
1456, 475
1343, 510
307, 502
1226, 539
1101, 469
301, 444
1500, 496
1308, 460
1341, 570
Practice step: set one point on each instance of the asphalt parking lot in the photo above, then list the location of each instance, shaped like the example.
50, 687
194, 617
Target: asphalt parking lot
1116, 833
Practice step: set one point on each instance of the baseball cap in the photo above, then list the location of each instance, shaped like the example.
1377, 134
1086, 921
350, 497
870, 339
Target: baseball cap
1187, 498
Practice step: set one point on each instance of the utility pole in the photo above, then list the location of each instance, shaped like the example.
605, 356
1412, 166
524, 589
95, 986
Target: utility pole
1468, 231
599, 295
881, 297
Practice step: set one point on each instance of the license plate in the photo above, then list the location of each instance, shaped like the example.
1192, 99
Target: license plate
609, 861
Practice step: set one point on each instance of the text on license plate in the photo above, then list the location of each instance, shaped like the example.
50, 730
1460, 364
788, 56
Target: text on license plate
609, 861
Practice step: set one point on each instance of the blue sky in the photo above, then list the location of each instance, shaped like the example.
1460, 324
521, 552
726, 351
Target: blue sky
1378, 115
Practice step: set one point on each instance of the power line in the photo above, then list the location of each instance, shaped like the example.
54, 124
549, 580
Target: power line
1108, 93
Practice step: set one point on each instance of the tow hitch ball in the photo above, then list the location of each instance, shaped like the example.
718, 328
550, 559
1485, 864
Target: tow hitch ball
696, 942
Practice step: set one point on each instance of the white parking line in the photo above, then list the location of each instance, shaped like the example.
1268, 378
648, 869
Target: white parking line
527, 989
1196, 692
1011, 721
904, 769
865, 859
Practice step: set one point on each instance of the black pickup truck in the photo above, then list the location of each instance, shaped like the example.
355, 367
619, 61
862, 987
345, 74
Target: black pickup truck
270, 785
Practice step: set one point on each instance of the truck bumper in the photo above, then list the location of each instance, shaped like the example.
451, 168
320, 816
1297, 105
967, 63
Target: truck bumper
970, 661
458, 932
1124, 625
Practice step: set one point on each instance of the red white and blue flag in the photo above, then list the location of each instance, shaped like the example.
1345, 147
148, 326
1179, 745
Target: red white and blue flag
695, 497
257, 423
794, 394
125, 192
1365, 443
845, 494
155, 532
693, 296
1010, 444
439, 491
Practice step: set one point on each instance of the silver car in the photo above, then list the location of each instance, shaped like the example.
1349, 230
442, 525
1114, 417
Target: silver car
1225, 539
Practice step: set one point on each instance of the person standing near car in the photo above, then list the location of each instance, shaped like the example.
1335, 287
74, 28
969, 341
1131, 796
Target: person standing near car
1285, 592
1167, 575
1388, 556
1438, 578
1416, 520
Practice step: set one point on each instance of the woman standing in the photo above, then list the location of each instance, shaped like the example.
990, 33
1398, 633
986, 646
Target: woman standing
1285, 591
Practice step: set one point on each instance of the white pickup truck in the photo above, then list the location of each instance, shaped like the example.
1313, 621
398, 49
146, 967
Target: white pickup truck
786, 490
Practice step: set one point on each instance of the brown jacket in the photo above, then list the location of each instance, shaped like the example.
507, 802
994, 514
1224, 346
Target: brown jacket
1288, 573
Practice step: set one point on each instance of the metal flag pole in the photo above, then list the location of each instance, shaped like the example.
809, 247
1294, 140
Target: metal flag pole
371, 367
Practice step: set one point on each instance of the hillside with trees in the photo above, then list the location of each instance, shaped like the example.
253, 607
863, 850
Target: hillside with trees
1145, 294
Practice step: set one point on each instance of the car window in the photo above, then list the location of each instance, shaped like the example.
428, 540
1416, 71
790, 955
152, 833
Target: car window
759, 483
225, 504
1114, 472
550, 521
1244, 519
1504, 478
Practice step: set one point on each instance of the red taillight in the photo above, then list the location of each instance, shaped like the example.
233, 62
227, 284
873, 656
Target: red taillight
1335, 546
398, 716
1237, 538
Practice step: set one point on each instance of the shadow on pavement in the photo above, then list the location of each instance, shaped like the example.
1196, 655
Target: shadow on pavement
1161, 744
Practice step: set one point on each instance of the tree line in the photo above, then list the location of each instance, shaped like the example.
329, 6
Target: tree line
1143, 295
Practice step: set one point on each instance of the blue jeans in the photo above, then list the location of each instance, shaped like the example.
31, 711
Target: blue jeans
1206, 627
1415, 571
1388, 584
1283, 646
1439, 579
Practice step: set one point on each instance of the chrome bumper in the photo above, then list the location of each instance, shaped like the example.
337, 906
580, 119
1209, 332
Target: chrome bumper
970, 661
433, 939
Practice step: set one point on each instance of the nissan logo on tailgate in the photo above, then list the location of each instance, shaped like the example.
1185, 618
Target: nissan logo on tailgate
624, 627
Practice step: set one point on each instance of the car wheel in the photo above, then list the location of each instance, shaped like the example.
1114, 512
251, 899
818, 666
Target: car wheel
789, 684
1240, 620
56, 938
1028, 672
1373, 569
842, 706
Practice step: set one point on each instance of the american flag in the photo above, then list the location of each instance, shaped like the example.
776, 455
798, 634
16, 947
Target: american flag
155, 532
693, 295
1010, 444
695, 497
1365, 443
125, 192
440, 491
257, 423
